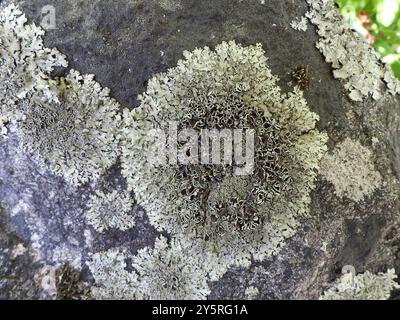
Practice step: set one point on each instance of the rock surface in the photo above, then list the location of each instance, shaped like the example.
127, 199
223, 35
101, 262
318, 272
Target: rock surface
124, 43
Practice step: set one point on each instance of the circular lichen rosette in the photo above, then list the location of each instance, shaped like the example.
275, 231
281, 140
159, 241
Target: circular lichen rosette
220, 157
77, 137
110, 211
166, 272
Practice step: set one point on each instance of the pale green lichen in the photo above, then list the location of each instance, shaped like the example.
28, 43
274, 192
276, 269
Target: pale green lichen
110, 210
300, 24
364, 286
226, 218
77, 137
162, 273
354, 61
112, 279
351, 170
68, 124
167, 273
252, 293
25, 63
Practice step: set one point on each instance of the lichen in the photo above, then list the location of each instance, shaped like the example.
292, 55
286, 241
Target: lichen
68, 124
354, 61
162, 273
351, 170
111, 210
112, 279
300, 24
168, 273
77, 137
252, 293
227, 218
364, 286
25, 63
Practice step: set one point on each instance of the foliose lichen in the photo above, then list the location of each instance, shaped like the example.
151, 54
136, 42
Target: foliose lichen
164, 272
364, 286
354, 60
351, 170
69, 124
252, 293
227, 218
110, 210
25, 63
300, 24
77, 137
113, 280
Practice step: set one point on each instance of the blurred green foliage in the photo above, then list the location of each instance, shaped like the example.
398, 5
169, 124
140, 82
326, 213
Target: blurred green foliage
379, 22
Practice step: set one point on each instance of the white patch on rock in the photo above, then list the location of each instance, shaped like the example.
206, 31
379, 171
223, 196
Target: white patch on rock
18, 250
300, 24
21, 207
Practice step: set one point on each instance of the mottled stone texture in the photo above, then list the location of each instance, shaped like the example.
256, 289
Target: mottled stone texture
124, 43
